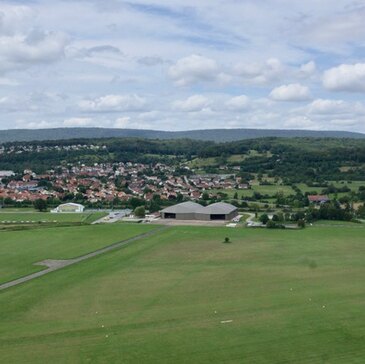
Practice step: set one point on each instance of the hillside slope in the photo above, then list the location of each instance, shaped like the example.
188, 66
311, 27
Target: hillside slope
218, 135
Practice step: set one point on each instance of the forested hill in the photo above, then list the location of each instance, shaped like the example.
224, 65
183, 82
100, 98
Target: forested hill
218, 135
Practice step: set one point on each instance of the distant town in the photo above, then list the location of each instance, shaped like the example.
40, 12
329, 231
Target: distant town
107, 182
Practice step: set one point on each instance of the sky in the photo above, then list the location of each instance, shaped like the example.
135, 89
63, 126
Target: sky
183, 64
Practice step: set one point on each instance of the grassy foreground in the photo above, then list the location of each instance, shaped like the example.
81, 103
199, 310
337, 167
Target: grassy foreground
185, 297
19, 250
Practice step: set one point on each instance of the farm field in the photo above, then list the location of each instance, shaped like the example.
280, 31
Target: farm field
19, 250
182, 296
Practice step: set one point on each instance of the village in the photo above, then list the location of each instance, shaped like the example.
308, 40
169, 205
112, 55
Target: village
111, 182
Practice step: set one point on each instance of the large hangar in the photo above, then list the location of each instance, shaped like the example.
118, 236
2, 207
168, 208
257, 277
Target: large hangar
194, 211
181, 211
217, 211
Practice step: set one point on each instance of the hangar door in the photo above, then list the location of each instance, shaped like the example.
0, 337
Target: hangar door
217, 217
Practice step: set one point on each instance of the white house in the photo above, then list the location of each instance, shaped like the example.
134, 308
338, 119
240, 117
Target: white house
69, 207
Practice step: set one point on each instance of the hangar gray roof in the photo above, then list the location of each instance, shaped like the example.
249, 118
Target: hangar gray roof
184, 207
218, 208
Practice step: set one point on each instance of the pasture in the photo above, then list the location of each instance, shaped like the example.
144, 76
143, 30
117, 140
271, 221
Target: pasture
183, 296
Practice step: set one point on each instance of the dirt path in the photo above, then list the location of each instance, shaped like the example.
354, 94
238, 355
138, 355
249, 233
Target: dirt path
54, 265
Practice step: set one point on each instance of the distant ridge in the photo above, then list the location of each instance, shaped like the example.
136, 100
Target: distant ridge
218, 135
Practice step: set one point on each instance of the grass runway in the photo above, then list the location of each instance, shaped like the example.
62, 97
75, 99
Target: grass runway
183, 296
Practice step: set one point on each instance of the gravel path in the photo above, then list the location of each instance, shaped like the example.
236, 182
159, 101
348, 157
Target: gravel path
54, 265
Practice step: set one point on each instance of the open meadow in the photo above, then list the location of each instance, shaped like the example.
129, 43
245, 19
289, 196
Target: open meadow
183, 296
32, 217
20, 249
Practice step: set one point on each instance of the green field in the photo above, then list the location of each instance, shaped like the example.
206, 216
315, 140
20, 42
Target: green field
232, 159
20, 249
270, 190
183, 296
47, 217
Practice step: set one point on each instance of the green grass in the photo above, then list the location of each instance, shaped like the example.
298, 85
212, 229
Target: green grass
292, 296
270, 190
232, 159
353, 186
19, 250
36, 217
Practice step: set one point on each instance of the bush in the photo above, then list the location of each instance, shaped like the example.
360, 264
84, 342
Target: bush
301, 223
273, 225
264, 218
226, 240
140, 211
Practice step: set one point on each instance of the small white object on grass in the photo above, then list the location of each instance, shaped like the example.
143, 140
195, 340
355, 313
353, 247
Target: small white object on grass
106, 335
215, 311
323, 306
226, 321
310, 299
291, 289
102, 325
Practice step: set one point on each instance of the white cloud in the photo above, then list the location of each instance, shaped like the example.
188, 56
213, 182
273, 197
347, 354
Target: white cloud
346, 77
76, 122
238, 103
8, 82
112, 103
292, 92
323, 106
192, 104
260, 73
300, 122
308, 69
195, 68
24, 50
122, 122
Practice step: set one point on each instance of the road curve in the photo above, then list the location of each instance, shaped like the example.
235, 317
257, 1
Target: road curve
65, 263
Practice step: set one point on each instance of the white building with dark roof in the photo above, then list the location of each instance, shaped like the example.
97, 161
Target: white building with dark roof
69, 207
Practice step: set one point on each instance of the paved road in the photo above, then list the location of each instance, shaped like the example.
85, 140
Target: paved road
54, 265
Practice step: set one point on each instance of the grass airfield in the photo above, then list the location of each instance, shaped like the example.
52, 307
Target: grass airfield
182, 296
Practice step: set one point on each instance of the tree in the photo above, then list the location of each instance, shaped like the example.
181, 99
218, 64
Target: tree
264, 218
235, 196
140, 211
301, 223
227, 240
205, 196
40, 205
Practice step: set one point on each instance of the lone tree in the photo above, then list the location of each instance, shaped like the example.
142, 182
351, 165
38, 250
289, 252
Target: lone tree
140, 211
264, 218
227, 240
40, 205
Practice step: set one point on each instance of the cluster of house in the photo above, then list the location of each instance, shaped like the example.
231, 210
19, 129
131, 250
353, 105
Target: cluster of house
19, 148
106, 182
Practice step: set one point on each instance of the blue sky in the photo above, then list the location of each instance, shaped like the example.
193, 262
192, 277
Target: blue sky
177, 65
